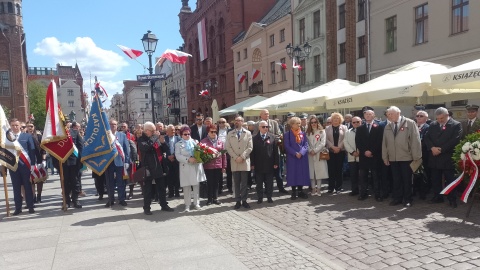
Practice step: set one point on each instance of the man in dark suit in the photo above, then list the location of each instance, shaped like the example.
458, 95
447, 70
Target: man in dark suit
369, 143
423, 183
198, 130
22, 175
442, 137
264, 159
173, 177
472, 124
71, 169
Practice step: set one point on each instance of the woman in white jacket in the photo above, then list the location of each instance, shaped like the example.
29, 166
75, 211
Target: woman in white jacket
191, 172
316, 143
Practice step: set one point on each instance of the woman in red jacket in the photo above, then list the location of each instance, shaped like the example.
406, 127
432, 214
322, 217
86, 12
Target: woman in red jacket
215, 168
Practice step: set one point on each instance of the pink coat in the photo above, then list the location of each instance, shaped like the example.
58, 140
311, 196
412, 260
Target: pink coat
218, 163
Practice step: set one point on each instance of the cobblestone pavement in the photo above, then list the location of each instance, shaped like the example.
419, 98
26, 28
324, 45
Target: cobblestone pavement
373, 235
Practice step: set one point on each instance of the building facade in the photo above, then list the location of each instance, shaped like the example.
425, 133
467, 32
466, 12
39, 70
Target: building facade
347, 40
214, 23
13, 60
262, 47
309, 25
443, 32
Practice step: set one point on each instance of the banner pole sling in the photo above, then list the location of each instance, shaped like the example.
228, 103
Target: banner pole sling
7, 203
62, 182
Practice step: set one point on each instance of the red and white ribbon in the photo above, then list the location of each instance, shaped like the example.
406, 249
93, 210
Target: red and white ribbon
456, 182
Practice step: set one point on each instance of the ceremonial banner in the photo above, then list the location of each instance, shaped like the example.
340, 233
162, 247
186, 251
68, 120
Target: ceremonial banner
55, 140
202, 40
99, 149
9, 147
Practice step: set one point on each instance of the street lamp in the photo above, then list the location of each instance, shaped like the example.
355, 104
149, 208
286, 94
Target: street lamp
149, 41
298, 54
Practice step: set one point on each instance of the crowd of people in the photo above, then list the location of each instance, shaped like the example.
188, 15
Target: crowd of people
376, 156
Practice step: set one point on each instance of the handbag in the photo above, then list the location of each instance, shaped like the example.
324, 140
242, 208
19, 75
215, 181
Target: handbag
324, 155
140, 175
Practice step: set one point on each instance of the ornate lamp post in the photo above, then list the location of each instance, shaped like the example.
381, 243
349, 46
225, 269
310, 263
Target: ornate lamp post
149, 41
298, 54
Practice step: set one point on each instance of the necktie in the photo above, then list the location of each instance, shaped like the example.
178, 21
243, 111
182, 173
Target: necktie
238, 135
468, 126
368, 128
263, 137
395, 129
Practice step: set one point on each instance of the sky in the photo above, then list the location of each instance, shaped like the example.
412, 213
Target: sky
87, 32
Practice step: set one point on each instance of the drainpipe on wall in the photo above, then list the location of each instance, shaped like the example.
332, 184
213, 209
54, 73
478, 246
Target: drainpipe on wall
367, 22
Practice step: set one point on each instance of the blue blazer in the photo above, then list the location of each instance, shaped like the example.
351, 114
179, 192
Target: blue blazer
122, 139
26, 141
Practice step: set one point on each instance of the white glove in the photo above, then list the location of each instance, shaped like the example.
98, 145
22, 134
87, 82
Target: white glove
44, 164
126, 166
32, 168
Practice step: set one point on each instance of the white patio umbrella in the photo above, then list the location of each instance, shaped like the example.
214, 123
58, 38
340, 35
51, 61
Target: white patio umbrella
314, 100
239, 107
271, 104
405, 85
462, 77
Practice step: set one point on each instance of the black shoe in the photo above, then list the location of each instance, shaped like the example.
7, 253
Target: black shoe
100, 197
31, 210
39, 198
269, 200
302, 195
123, 203
237, 205
353, 193
260, 201
17, 212
216, 202
77, 205
284, 191
393, 203
230, 191
177, 195
436, 200
245, 204
109, 204
147, 212
330, 191
209, 202
170, 196
167, 209
362, 197
130, 196
408, 204
294, 196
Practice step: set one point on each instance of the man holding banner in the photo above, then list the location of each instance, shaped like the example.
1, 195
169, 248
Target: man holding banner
26, 164
118, 168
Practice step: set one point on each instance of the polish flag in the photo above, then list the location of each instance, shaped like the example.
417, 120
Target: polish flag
174, 56
296, 66
241, 78
204, 93
202, 40
130, 52
283, 65
169, 105
255, 73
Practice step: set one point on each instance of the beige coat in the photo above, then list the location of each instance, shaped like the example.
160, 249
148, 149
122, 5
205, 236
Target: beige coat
239, 148
342, 130
350, 145
190, 173
405, 146
318, 168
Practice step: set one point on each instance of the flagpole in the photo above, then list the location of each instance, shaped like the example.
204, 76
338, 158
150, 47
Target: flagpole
62, 183
7, 204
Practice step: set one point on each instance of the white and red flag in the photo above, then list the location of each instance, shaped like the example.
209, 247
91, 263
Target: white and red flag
297, 66
55, 140
174, 56
283, 65
241, 78
255, 73
204, 93
202, 40
132, 53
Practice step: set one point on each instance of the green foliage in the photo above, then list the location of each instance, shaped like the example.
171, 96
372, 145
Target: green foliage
8, 112
37, 93
458, 149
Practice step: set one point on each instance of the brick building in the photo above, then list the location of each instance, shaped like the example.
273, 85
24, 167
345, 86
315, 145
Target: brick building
13, 60
221, 19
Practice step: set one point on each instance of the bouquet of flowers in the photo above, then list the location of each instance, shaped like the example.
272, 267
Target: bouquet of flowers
467, 159
204, 153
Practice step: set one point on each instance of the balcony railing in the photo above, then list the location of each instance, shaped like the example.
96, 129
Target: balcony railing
256, 88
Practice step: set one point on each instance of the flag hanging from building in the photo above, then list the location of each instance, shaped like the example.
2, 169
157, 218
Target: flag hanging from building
99, 149
204, 93
255, 73
241, 78
177, 57
283, 65
297, 66
202, 40
132, 53
55, 139
9, 147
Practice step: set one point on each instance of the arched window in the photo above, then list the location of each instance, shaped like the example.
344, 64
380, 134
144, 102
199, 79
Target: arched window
221, 40
213, 51
257, 55
10, 7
